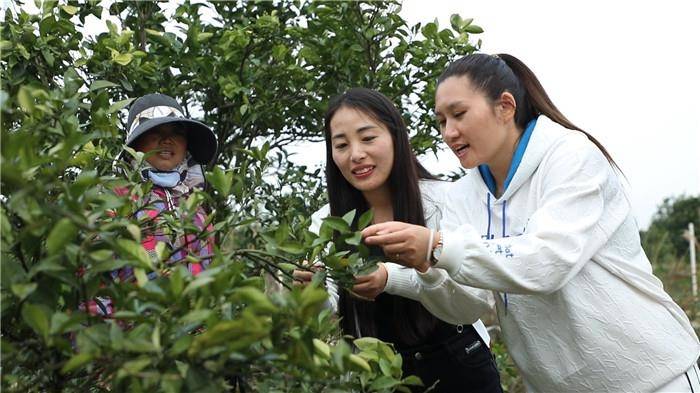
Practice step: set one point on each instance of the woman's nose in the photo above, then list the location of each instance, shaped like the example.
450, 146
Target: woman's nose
450, 131
357, 153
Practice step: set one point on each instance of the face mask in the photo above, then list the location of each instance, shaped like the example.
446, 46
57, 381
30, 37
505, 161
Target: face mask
164, 179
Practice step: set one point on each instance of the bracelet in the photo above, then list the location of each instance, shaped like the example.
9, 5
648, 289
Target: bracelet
430, 246
437, 250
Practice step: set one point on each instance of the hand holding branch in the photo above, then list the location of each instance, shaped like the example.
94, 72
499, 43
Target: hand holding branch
406, 244
369, 286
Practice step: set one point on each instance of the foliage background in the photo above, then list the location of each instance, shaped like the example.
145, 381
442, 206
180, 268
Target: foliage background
260, 73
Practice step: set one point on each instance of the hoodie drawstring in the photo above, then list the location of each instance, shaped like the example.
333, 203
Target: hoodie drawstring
488, 209
503, 233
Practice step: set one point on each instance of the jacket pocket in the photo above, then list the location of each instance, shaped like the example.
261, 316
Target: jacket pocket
470, 353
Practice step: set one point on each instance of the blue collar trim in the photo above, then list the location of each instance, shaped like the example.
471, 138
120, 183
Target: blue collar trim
488, 178
485, 171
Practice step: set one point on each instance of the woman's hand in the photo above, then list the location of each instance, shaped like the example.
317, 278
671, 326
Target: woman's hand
303, 277
371, 285
406, 244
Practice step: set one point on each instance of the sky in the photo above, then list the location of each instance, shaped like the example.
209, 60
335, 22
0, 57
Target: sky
626, 71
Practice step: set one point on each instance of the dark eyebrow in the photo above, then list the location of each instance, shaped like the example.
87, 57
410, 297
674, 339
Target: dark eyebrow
450, 107
359, 131
453, 105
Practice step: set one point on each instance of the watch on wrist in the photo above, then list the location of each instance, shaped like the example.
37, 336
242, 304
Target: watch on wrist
437, 251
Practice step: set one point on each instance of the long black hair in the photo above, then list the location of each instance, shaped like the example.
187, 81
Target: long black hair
413, 321
496, 74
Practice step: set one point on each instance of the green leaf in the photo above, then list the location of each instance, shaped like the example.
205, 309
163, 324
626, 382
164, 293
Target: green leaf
181, 345
196, 316
49, 57
201, 37
292, 248
134, 231
456, 21
62, 233
312, 297
134, 366
366, 343
386, 368
69, 9
119, 105
153, 32
116, 335
287, 267
141, 277
160, 250
221, 180
177, 281
412, 380
367, 268
255, 298
36, 318
473, 29
384, 382
26, 102
108, 266
365, 219
46, 265
23, 290
101, 84
360, 363
429, 30
322, 349
337, 223
77, 361
355, 239
349, 216
155, 338
123, 58
135, 251
199, 282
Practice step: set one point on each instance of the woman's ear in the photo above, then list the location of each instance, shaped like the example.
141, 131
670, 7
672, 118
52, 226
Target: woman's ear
506, 107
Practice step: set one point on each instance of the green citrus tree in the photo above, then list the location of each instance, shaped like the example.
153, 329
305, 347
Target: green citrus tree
260, 73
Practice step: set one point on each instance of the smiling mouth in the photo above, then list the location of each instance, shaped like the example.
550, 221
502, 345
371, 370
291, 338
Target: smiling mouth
362, 172
460, 150
165, 154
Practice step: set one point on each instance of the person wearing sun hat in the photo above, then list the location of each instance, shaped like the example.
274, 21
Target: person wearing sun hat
154, 110
175, 150
157, 126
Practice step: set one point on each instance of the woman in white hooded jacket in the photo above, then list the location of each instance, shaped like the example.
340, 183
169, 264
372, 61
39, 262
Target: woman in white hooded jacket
543, 221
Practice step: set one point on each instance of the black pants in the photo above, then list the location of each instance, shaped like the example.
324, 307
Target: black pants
461, 363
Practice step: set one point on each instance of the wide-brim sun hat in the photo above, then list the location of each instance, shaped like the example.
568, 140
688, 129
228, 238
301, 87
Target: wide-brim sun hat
153, 110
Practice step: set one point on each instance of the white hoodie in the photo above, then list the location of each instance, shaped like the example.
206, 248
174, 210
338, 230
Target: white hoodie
434, 289
584, 312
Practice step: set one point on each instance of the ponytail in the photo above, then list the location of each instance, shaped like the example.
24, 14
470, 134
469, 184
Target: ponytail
503, 72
